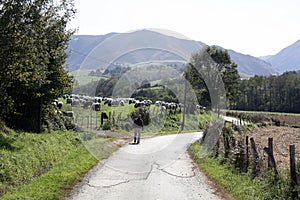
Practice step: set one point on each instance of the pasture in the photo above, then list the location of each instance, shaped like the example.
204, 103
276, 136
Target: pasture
82, 77
120, 119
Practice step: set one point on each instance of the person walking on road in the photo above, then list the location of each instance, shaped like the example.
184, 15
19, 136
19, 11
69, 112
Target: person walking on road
138, 124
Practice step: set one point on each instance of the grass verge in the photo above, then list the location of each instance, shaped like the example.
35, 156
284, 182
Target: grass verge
240, 185
45, 166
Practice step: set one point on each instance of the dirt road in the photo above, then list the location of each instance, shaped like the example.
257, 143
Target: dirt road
157, 169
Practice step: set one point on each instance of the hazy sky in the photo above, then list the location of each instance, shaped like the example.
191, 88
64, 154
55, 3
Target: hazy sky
255, 27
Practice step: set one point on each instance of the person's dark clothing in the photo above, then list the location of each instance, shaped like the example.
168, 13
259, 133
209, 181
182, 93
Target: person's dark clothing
138, 122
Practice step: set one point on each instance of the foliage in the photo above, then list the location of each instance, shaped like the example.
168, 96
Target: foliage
33, 39
272, 93
95, 73
116, 71
202, 74
105, 87
89, 89
155, 92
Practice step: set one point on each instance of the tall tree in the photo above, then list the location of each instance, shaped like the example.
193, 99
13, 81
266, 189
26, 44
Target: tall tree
33, 39
272, 93
212, 62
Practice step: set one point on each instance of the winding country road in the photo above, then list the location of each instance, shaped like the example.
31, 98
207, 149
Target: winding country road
157, 169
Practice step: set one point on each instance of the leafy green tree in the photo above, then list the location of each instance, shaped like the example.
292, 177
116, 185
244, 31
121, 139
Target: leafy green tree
33, 39
145, 84
212, 62
105, 87
272, 93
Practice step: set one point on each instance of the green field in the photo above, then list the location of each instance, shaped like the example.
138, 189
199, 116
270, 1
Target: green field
160, 122
266, 113
82, 77
155, 62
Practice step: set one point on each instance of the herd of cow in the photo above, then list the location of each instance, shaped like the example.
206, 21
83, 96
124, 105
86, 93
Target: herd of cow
94, 103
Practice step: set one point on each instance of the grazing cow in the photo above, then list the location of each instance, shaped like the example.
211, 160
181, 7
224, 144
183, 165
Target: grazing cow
198, 107
103, 116
139, 104
163, 108
70, 100
69, 114
96, 106
60, 105
75, 102
97, 99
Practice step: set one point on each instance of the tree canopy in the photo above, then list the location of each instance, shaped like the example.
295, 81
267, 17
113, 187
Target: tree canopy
272, 93
33, 39
209, 68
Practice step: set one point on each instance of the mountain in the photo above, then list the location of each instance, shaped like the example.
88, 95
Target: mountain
80, 46
251, 65
92, 52
138, 46
288, 59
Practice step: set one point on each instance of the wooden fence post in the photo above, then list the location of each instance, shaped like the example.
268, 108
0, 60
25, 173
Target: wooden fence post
271, 159
270, 146
247, 152
87, 122
226, 145
256, 158
96, 122
217, 149
293, 172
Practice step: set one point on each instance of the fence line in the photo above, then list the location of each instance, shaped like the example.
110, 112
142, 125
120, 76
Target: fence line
244, 154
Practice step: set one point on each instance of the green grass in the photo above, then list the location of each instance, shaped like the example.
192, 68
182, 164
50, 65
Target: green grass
162, 62
266, 113
54, 183
240, 185
44, 166
82, 76
161, 123
245, 76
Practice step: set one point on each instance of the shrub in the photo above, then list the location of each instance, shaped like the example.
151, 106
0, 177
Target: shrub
107, 125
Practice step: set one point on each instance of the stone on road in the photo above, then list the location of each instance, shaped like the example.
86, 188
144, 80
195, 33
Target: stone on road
158, 168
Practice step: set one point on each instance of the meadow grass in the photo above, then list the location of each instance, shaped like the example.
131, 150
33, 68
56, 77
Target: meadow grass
160, 122
266, 113
82, 77
45, 166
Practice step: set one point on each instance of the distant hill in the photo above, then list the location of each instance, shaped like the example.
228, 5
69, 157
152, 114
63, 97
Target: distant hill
80, 46
252, 65
139, 46
91, 52
288, 59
